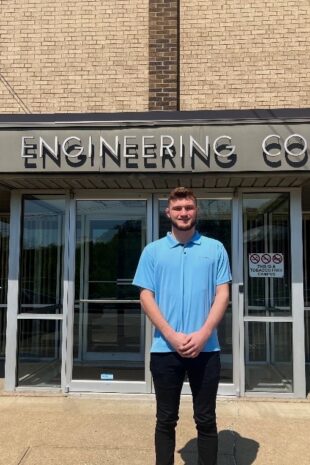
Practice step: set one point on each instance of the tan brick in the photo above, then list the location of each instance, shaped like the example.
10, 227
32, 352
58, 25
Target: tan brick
81, 54
244, 46
93, 55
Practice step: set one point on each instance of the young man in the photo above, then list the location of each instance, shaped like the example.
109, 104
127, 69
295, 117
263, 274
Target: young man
184, 279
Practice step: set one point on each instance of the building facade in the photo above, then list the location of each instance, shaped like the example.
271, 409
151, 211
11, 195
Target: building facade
105, 107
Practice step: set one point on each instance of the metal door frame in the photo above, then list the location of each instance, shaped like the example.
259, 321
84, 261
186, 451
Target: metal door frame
101, 385
306, 218
297, 317
3, 307
13, 316
66, 318
90, 356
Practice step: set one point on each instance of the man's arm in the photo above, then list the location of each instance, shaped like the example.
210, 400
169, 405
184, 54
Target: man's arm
151, 309
198, 339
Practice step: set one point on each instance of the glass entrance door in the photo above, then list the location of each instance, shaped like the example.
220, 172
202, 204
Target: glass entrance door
267, 263
4, 249
273, 300
40, 311
109, 327
111, 335
306, 263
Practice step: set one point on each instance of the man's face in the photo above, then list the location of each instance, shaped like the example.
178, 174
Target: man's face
182, 213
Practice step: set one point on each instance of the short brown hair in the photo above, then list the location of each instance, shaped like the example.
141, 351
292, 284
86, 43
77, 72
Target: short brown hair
181, 193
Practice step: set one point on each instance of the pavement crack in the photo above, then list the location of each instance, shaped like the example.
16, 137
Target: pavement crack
233, 433
234, 448
25, 453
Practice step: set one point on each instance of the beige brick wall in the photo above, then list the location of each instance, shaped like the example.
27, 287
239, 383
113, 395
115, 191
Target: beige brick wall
93, 55
73, 56
245, 54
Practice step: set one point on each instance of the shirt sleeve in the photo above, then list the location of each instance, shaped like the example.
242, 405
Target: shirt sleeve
223, 269
144, 277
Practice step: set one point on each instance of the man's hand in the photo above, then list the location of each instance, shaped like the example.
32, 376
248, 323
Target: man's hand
197, 339
178, 341
194, 345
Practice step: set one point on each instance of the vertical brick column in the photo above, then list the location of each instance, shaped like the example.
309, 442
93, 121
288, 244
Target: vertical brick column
164, 55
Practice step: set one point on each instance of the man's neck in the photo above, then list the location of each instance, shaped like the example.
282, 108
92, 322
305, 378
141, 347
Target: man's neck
183, 236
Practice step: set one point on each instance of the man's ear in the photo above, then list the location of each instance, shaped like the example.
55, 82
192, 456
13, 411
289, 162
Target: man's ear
167, 212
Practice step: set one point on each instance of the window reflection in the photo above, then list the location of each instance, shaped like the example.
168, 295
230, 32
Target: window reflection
267, 230
268, 344
109, 335
269, 361
42, 255
39, 354
4, 255
41, 270
306, 244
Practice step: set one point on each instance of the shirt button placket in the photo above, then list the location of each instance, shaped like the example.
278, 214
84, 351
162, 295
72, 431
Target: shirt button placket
183, 285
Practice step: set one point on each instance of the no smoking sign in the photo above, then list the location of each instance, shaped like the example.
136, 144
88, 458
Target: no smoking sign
266, 265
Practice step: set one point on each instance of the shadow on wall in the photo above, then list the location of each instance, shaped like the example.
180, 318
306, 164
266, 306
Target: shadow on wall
233, 449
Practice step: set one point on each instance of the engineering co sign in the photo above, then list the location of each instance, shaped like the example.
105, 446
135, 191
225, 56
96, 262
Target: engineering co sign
201, 148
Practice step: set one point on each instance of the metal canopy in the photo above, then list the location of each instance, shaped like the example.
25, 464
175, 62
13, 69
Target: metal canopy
156, 117
151, 181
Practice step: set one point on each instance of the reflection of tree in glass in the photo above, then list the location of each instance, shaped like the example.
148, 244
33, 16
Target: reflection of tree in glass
4, 257
40, 275
114, 256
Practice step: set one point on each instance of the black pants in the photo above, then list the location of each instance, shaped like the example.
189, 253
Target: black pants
168, 371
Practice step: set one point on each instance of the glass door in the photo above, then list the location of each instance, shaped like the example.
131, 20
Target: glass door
272, 264
39, 319
4, 252
109, 327
306, 263
215, 219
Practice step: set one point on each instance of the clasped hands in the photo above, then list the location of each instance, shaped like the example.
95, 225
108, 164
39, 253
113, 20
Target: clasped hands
188, 345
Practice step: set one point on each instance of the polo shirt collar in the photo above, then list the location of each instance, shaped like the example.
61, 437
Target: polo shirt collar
172, 242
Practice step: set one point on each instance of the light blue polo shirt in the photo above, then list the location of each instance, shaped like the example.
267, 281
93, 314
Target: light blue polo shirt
183, 279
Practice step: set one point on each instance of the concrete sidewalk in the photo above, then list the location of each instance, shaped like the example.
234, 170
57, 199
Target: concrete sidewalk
118, 430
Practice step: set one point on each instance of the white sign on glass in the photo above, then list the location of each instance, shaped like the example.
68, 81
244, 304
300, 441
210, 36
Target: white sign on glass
266, 265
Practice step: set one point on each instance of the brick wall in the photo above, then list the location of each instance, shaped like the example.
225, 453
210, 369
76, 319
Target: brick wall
163, 55
106, 56
245, 54
73, 56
